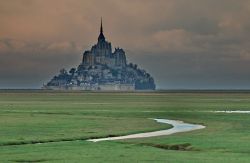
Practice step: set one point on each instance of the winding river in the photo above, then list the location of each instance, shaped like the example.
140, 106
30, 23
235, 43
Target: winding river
178, 126
233, 111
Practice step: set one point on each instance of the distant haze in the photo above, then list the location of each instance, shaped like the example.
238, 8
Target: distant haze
190, 44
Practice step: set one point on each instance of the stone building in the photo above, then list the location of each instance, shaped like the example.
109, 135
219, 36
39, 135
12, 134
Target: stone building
101, 53
102, 69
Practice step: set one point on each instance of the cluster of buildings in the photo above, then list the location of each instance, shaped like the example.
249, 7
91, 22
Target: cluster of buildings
102, 69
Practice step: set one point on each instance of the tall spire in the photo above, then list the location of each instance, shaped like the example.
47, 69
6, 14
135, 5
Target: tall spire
101, 30
101, 37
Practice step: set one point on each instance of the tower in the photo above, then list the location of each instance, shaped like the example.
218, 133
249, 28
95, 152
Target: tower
102, 49
101, 37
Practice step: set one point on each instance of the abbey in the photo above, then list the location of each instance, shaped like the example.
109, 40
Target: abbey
101, 54
102, 69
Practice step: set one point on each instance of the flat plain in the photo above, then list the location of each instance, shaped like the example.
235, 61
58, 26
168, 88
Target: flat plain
53, 126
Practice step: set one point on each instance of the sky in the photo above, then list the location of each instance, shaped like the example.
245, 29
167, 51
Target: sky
183, 44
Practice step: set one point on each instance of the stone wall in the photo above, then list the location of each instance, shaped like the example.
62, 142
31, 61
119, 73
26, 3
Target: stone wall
117, 87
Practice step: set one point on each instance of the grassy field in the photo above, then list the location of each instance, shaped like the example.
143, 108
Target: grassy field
46, 126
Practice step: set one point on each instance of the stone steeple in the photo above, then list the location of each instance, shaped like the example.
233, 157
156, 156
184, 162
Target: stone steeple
101, 37
101, 30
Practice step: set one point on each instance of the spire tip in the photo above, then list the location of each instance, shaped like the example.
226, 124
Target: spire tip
101, 30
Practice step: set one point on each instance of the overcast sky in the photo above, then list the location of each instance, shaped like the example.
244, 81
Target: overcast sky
192, 44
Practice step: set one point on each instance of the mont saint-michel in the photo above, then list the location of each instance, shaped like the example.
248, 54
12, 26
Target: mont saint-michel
103, 69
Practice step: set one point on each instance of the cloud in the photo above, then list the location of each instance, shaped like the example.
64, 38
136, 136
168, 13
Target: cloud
183, 44
32, 63
176, 40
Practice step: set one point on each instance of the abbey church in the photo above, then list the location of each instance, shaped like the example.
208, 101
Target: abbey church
101, 53
102, 69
